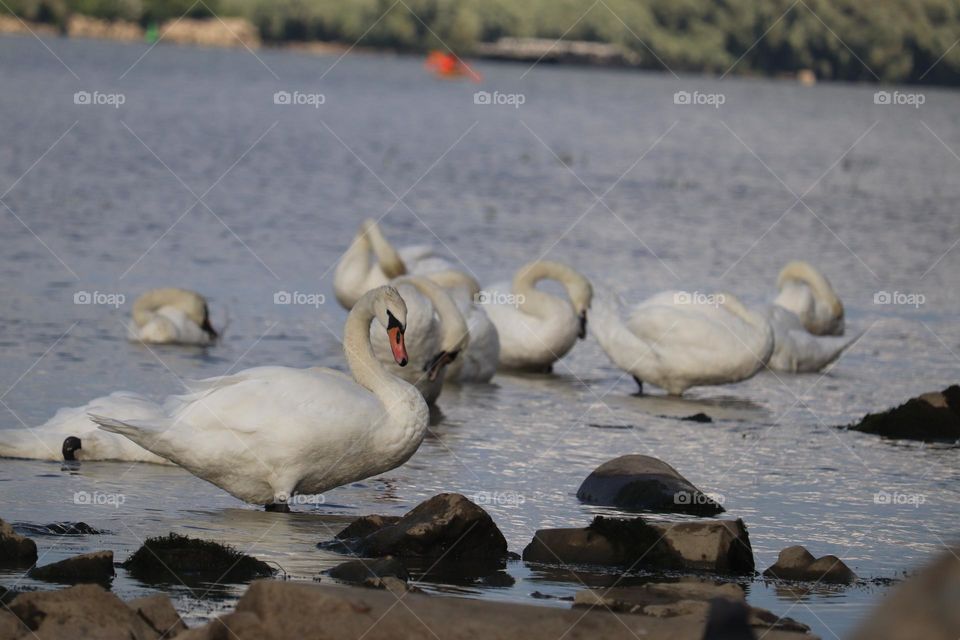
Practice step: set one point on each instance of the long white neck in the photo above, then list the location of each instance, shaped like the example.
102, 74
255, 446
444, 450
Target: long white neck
387, 257
364, 366
452, 323
455, 279
539, 303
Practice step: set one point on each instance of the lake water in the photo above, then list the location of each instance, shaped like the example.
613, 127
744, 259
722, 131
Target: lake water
597, 168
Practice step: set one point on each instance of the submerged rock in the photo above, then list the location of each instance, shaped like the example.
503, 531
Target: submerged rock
61, 529
796, 563
83, 611
175, 558
89, 567
720, 546
645, 483
15, 549
924, 606
272, 610
447, 525
359, 571
929, 417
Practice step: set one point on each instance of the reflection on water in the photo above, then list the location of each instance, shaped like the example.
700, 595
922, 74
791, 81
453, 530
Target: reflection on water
699, 212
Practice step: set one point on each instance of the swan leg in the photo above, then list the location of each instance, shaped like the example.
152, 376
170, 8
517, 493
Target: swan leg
277, 507
639, 384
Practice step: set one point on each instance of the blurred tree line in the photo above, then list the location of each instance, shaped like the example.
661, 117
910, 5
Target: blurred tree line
898, 40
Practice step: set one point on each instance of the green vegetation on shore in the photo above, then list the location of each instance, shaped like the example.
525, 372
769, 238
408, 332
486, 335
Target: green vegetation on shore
885, 40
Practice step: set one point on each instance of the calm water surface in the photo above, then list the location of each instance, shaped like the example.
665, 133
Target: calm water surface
200, 180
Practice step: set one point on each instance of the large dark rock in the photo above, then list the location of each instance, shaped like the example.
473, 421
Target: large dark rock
89, 567
796, 563
924, 606
175, 558
645, 483
83, 611
15, 549
931, 417
721, 546
447, 525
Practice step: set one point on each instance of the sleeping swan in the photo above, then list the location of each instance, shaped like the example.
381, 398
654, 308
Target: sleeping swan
478, 362
269, 433
677, 340
172, 316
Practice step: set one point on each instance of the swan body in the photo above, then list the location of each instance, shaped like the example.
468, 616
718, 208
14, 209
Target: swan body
268, 433
437, 333
478, 362
171, 316
676, 343
807, 320
72, 435
536, 328
371, 261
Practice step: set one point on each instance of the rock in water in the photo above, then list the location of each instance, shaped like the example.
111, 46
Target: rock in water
175, 559
89, 567
931, 417
720, 546
796, 563
359, 571
924, 606
15, 549
447, 525
645, 483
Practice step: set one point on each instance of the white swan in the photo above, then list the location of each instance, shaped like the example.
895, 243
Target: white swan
371, 261
268, 433
807, 320
437, 333
172, 316
537, 328
478, 362
675, 340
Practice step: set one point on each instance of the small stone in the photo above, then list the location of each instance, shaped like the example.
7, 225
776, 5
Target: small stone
930, 417
796, 563
359, 571
94, 567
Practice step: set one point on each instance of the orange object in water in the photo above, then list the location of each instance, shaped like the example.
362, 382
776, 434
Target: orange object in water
448, 65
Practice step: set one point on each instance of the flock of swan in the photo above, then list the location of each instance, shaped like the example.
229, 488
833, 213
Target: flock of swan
415, 323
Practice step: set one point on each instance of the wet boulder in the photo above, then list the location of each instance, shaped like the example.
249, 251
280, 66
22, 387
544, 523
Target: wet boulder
796, 563
447, 525
175, 558
930, 417
924, 606
720, 546
365, 525
158, 612
644, 483
359, 571
61, 529
94, 567
83, 611
15, 549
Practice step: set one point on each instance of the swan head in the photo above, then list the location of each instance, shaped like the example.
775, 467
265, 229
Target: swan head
391, 311
71, 445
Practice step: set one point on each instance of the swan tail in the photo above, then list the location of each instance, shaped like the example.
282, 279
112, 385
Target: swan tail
147, 434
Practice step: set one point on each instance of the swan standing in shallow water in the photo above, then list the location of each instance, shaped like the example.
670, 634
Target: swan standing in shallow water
437, 332
269, 433
537, 328
172, 316
371, 261
677, 340
807, 320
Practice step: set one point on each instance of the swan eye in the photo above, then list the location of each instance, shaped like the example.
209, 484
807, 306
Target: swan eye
393, 323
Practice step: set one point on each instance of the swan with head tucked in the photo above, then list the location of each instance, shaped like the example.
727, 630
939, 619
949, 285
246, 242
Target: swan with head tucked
478, 362
436, 331
269, 433
537, 328
807, 319
371, 261
172, 316
675, 340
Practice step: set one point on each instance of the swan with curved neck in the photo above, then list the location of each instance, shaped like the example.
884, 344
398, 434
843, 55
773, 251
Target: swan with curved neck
537, 328
269, 433
478, 362
371, 261
807, 319
435, 328
172, 316
676, 342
